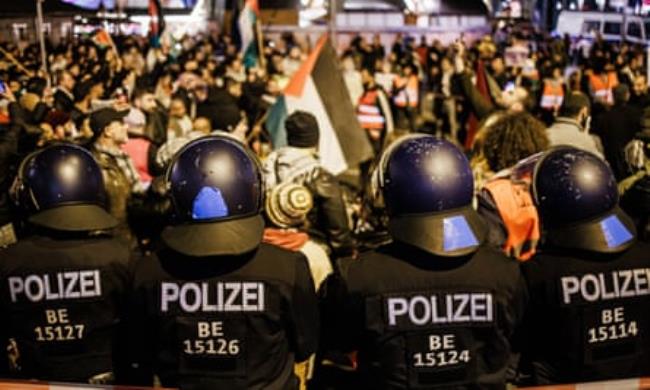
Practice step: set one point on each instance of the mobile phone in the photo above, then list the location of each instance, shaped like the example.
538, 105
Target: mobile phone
3, 87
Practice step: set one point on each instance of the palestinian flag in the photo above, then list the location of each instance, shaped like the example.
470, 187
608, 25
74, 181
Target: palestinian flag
318, 88
247, 26
156, 23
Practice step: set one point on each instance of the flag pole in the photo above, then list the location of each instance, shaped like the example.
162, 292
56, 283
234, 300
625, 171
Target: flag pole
41, 38
260, 42
332, 26
17, 63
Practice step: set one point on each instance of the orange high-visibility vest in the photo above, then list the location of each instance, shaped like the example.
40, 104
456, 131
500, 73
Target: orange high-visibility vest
369, 114
408, 92
552, 95
519, 215
602, 89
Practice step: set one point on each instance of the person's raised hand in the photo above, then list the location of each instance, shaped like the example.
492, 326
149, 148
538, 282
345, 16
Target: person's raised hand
459, 56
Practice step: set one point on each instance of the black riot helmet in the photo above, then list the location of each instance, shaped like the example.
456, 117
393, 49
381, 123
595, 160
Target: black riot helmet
61, 187
427, 188
577, 199
216, 188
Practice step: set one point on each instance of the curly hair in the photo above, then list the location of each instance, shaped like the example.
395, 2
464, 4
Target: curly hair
513, 137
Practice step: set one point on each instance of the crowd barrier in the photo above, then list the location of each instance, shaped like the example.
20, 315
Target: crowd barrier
8, 385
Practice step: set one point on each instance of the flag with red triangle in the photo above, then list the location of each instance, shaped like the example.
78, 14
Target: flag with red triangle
318, 88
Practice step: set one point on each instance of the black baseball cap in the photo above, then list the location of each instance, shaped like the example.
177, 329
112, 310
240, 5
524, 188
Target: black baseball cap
100, 119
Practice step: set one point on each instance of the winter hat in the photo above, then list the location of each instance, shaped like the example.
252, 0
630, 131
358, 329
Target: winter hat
302, 130
288, 204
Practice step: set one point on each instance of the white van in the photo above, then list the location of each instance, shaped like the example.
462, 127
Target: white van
612, 26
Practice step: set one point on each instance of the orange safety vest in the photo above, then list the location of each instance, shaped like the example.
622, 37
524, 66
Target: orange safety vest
407, 95
369, 114
552, 95
519, 215
602, 89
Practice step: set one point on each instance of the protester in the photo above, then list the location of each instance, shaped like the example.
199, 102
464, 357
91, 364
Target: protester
374, 112
298, 163
157, 119
573, 123
640, 97
616, 127
179, 122
139, 148
120, 175
509, 139
286, 208
63, 97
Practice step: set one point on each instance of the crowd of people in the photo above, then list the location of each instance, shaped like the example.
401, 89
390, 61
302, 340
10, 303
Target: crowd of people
541, 135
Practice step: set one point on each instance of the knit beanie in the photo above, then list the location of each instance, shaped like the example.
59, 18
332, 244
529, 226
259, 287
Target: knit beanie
288, 204
302, 130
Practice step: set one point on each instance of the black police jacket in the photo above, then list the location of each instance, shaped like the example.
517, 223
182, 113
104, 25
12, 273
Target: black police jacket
421, 321
61, 304
636, 203
9, 160
226, 322
588, 317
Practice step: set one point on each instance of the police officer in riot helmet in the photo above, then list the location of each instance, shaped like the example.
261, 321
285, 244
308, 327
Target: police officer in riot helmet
217, 308
64, 286
435, 307
589, 284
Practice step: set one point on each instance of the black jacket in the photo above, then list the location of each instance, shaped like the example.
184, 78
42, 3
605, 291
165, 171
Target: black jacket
156, 127
63, 101
421, 321
616, 128
254, 316
636, 203
588, 316
329, 218
480, 106
640, 101
62, 301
